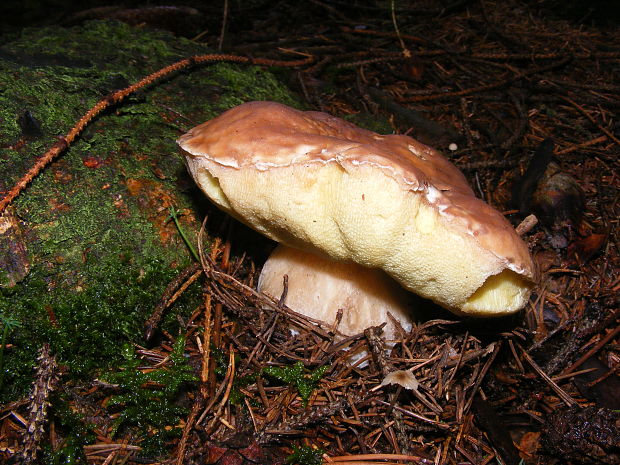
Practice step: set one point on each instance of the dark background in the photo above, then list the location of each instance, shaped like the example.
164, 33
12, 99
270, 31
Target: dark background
246, 15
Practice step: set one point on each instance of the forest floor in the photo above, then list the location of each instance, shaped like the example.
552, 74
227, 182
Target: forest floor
525, 103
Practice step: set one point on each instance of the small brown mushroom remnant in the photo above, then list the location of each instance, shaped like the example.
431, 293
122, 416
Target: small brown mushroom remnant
316, 183
402, 378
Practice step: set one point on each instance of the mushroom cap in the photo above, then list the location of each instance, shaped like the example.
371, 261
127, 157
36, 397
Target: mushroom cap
315, 182
402, 378
318, 287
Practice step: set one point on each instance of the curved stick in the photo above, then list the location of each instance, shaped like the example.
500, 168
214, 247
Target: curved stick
116, 97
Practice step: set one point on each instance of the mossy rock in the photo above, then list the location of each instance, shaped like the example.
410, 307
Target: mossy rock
87, 249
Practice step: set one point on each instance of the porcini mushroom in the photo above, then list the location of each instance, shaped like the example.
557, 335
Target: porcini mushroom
317, 183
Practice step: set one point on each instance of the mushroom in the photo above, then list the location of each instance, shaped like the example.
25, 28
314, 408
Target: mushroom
317, 183
403, 378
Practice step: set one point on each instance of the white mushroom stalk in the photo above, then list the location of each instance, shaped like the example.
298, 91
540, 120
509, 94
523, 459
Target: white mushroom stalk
317, 183
319, 287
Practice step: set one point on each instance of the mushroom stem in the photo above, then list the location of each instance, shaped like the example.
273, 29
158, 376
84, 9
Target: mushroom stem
318, 287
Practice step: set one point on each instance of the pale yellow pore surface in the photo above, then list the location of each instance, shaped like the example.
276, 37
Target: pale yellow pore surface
362, 215
318, 287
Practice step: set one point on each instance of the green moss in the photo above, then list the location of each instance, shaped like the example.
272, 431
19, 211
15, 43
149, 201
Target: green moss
95, 222
376, 123
84, 327
295, 376
305, 455
147, 398
7, 325
76, 434
71, 452
241, 81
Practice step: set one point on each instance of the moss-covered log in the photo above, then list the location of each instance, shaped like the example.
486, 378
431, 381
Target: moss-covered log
87, 250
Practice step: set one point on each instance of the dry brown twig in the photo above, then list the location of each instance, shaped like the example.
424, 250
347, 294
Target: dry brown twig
45, 383
581, 110
281, 413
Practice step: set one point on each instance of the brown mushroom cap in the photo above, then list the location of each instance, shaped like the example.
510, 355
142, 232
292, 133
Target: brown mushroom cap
315, 182
402, 378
